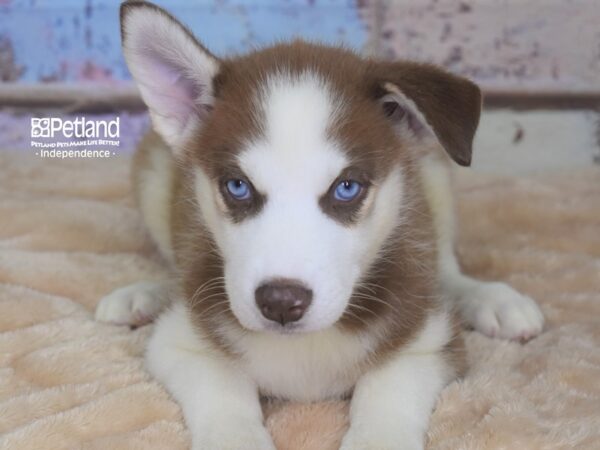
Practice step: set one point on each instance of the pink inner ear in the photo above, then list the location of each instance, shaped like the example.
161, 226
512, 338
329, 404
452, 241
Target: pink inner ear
174, 94
169, 92
398, 113
415, 124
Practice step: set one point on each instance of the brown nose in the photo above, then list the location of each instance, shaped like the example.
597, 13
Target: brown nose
283, 301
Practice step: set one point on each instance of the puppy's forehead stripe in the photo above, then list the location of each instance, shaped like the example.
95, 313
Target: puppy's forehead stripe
296, 147
296, 109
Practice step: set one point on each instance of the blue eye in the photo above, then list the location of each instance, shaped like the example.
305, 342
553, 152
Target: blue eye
238, 189
347, 190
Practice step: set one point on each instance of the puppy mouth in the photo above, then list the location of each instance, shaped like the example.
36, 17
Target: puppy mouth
263, 325
287, 329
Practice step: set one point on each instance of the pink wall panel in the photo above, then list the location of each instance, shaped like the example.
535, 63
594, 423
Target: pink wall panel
538, 44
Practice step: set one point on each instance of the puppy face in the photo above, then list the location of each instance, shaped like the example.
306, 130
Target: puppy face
294, 203
300, 156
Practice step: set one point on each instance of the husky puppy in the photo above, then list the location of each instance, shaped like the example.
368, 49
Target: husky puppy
300, 194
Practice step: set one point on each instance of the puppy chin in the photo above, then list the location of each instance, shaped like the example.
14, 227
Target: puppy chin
258, 324
262, 325
289, 329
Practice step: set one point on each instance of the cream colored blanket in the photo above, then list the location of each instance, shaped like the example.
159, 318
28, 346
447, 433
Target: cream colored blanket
69, 234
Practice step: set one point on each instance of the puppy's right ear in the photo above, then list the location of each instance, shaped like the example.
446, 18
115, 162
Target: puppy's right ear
173, 71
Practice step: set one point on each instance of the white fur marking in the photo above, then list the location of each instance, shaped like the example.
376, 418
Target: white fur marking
303, 367
156, 193
494, 309
391, 404
136, 304
220, 403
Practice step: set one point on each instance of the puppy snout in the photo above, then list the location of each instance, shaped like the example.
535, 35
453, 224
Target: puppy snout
283, 301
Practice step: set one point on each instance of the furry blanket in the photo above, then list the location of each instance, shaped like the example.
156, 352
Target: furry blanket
69, 234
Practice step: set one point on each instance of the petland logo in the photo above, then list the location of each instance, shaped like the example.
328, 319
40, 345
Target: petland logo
79, 128
58, 137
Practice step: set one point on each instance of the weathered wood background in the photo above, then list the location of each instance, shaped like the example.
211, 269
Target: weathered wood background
540, 45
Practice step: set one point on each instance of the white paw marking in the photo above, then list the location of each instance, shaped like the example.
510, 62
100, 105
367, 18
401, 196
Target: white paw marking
232, 436
497, 310
136, 304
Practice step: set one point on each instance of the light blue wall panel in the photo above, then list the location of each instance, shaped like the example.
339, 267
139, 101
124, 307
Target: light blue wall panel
71, 40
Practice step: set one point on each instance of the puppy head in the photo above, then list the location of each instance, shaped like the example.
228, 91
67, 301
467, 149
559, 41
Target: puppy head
300, 155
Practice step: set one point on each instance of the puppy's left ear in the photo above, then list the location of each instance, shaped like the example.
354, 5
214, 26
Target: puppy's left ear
426, 101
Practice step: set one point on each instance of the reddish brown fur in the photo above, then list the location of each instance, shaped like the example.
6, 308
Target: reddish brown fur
401, 287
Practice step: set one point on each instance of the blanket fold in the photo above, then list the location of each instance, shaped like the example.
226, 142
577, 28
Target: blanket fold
69, 234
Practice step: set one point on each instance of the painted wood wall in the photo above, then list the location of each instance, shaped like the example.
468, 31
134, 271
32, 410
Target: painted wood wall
502, 44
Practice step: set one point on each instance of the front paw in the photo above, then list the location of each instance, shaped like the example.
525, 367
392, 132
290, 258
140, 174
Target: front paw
232, 435
136, 304
497, 310
370, 439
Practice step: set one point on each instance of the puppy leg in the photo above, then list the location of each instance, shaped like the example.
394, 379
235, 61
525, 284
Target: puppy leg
220, 403
391, 405
492, 308
136, 304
